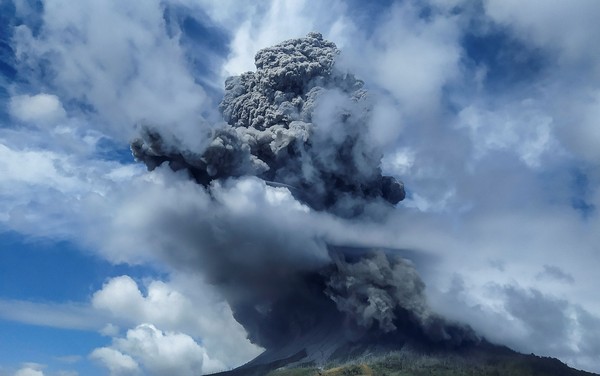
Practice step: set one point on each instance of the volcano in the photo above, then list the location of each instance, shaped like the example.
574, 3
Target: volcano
296, 135
315, 339
483, 359
326, 350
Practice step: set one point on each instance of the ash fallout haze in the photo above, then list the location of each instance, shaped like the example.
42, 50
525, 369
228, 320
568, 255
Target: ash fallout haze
187, 186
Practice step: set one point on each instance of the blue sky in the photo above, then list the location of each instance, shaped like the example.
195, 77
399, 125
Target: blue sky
487, 110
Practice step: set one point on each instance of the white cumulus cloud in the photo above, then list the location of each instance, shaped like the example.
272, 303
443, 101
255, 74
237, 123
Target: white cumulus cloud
156, 353
199, 315
117, 363
37, 108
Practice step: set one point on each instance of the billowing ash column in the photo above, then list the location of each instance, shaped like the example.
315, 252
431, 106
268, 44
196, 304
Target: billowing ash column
297, 121
300, 123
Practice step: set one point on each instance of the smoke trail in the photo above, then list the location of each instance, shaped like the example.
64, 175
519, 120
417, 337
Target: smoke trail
300, 125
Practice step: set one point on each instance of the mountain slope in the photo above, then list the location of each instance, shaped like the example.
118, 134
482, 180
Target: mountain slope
479, 360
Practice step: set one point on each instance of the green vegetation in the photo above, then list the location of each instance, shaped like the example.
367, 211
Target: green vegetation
477, 364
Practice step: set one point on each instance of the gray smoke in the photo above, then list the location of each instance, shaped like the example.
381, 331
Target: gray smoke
374, 288
301, 125
297, 122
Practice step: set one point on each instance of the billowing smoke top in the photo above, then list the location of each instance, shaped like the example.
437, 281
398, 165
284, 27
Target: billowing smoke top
297, 122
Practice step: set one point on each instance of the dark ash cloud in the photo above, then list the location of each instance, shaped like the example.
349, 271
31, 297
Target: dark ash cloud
297, 122
294, 155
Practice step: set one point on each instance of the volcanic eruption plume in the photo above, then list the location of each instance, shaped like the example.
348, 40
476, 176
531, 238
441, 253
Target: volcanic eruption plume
295, 148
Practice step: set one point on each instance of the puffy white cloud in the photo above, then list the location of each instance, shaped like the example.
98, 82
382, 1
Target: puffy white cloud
200, 315
408, 57
156, 353
415, 58
47, 193
118, 364
128, 73
37, 108
185, 308
163, 353
37, 167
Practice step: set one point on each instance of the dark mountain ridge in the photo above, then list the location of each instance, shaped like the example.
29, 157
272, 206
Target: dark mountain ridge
481, 359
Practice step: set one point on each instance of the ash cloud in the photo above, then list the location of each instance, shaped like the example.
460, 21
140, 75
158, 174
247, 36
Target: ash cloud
372, 289
293, 154
297, 122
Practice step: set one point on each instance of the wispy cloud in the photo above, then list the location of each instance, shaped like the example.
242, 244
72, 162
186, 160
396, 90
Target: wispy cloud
56, 315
